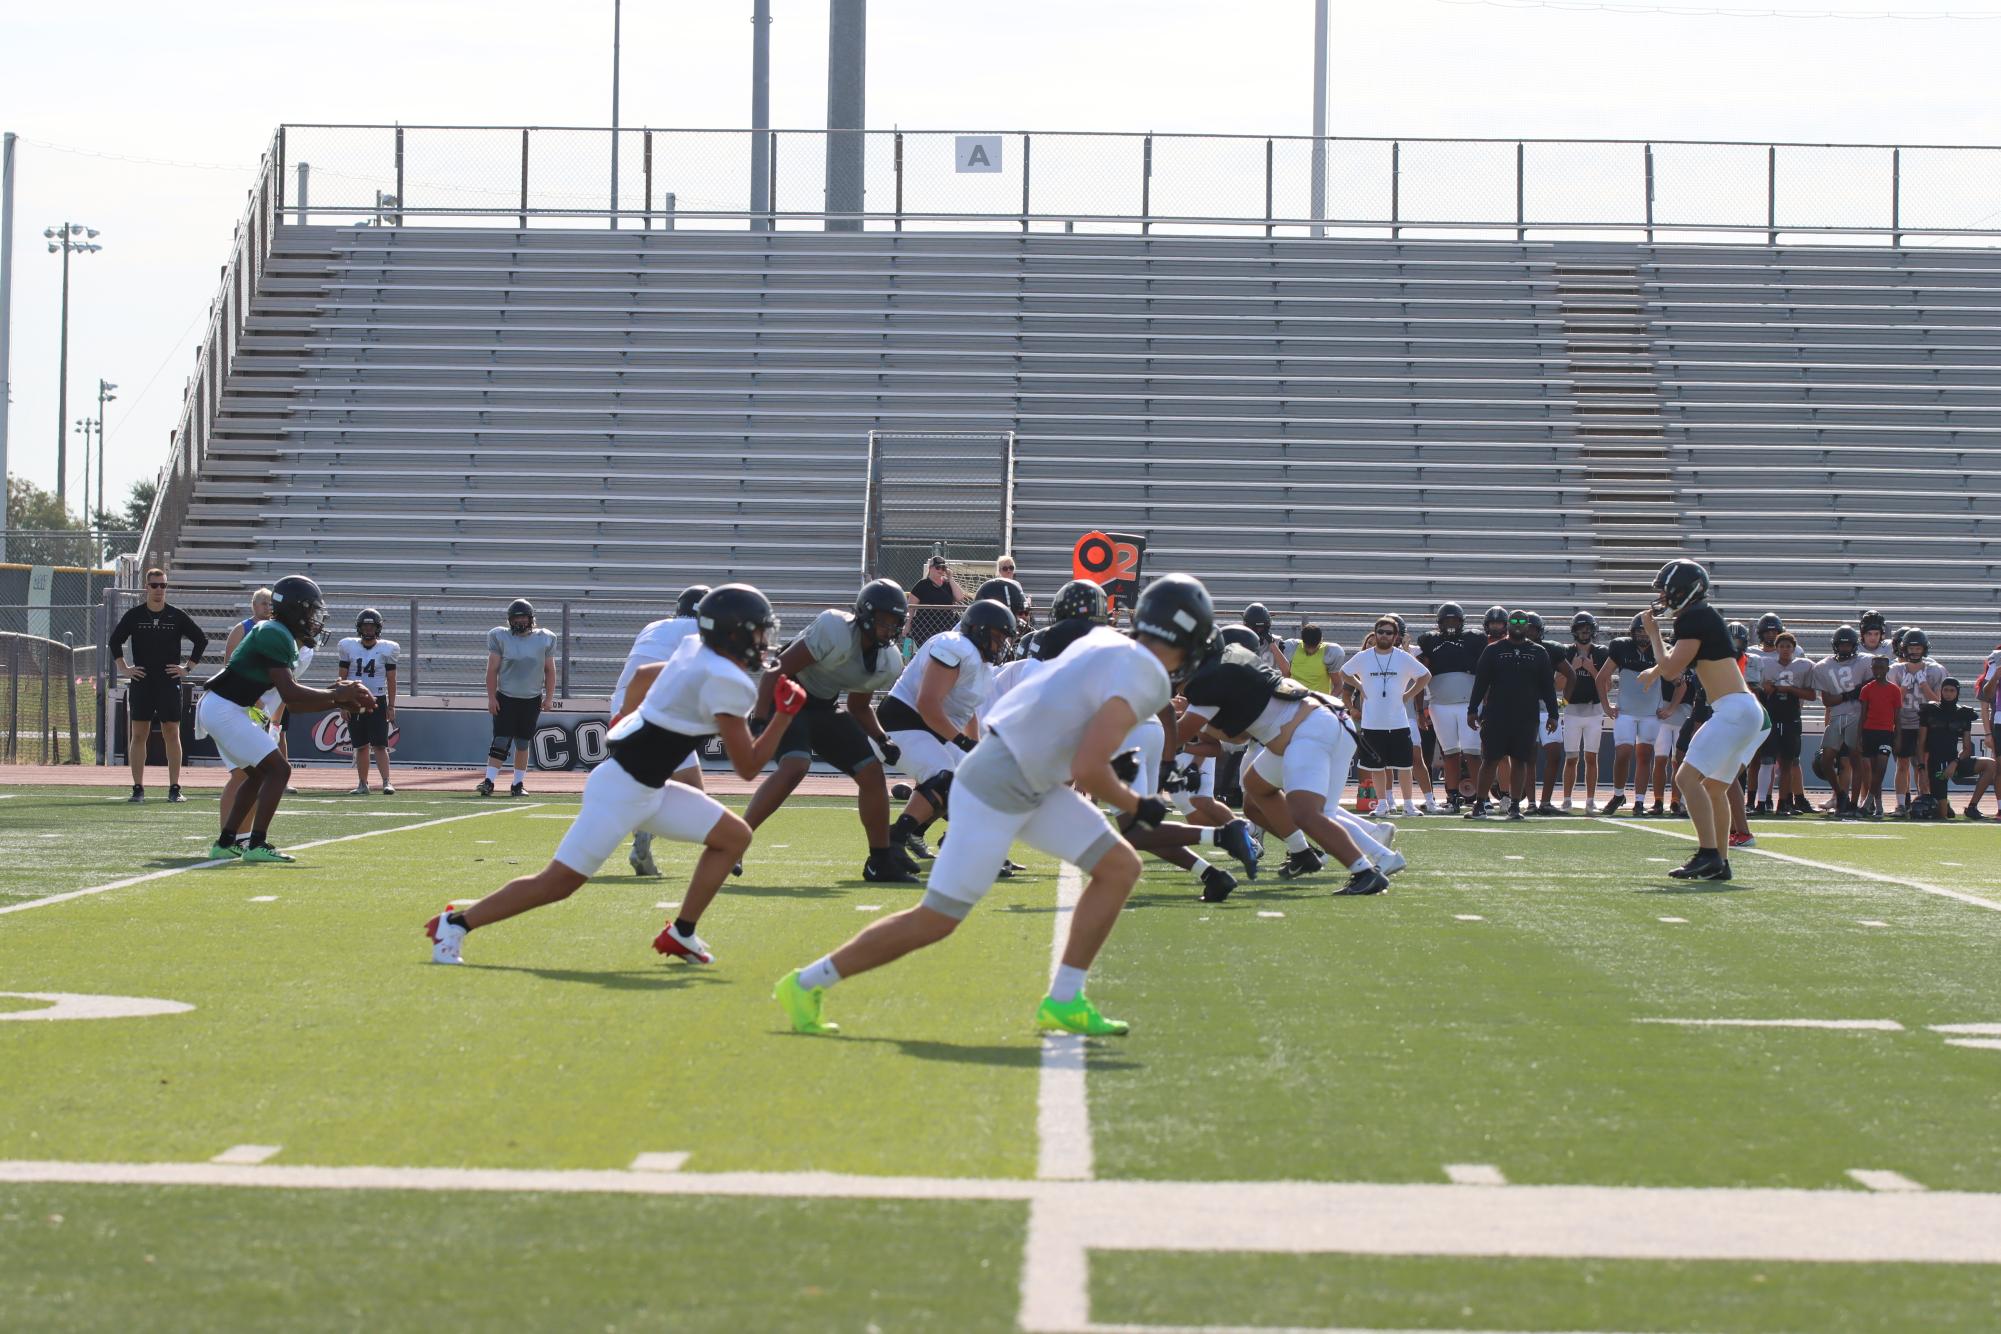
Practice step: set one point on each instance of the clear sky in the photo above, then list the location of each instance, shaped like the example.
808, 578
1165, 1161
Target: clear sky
206, 81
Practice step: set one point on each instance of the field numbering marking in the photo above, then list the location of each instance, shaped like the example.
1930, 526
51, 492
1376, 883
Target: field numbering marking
1876, 1179
246, 1155
1474, 1174
70, 1005
150, 876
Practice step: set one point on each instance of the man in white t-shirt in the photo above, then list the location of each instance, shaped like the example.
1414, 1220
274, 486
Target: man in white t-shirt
1388, 679
1060, 726
657, 643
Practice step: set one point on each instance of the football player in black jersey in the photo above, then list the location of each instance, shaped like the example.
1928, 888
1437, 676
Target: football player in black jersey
1737, 723
1451, 653
1550, 761
1585, 668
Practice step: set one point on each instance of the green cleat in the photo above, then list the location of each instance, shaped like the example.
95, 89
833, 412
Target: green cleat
264, 852
1079, 1016
801, 1006
223, 852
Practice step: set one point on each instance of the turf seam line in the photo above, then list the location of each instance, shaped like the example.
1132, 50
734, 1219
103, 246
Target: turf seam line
1940, 890
1062, 1103
130, 881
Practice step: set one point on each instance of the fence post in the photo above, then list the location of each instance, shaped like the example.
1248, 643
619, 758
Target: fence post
400, 201
51, 752
668, 204
1024, 182
1270, 229
13, 697
410, 679
279, 149
771, 183
1771, 194
1896, 196
646, 168
524, 180
1650, 193
898, 142
1521, 232
1146, 187
69, 680
1396, 185
563, 675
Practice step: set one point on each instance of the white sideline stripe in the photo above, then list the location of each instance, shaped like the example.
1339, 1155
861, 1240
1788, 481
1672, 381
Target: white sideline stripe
1862, 1025
1876, 1179
1972, 1030
225, 861
1919, 885
658, 1162
246, 1155
1869, 921
1675, 921
1062, 1105
1984, 1044
263, 898
1474, 1174
1467, 917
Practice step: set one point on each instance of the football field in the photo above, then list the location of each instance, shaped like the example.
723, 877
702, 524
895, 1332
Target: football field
1538, 1086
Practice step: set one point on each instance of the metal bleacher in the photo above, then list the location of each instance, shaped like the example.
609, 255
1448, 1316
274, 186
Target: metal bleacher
1333, 427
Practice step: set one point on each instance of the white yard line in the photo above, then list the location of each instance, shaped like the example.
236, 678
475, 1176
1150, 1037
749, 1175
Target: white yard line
201, 866
1853, 1025
1940, 890
1062, 1106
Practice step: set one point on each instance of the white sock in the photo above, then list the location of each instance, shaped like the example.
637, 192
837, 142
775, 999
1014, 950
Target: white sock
1363, 832
1361, 864
520, 776
492, 774
1207, 838
1200, 866
1295, 842
1069, 983
1765, 783
821, 974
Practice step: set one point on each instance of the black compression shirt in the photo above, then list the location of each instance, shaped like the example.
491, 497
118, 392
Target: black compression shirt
1513, 676
1631, 654
1443, 654
1704, 624
1584, 659
1237, 685
156, 637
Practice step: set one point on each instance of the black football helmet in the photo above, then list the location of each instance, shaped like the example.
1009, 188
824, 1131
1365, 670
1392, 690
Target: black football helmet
521, 616
991, 627
1242, 636
1874, 620
1680, 583
1451, 618
1176, 609
1769, 628
1006, 592
1950, 683
736, 621
1080, 599
297, 605
369, 624
1638, 629
1258, 617
1584, 627
1493, 617
1845, 643
1919, 640
1740, 637
1535, 627
691, 598
880, 597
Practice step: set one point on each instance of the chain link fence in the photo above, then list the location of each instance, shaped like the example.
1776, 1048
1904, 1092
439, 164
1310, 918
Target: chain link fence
48, 701
1167, 183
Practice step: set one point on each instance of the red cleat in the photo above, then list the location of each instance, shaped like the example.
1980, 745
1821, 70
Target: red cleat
690, 947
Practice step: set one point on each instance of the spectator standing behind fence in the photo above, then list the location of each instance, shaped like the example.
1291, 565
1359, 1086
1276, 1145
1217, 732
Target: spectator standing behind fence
153, 675
520, 675
936, 596
1004, 569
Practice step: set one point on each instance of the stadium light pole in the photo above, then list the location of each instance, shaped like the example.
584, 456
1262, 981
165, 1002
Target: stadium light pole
760, 115
6, 315
64, 239
847, 111
615, 14
1319, 199
83, 425
104, 395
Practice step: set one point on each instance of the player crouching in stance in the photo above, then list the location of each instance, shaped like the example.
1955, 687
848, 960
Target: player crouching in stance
1737, 724
266, 659
931, 713
1063, 724
705, 689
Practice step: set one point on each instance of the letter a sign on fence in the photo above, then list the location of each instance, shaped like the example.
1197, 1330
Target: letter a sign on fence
978, 153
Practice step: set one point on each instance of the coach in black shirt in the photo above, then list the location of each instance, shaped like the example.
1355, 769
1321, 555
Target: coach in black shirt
1513, 677
153, 675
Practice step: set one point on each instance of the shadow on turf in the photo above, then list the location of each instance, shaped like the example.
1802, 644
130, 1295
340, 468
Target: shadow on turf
628, 979
1020, 1058
1697, 887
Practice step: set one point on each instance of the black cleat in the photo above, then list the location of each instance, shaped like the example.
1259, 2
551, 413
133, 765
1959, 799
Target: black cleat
1307, 861
1547, 809
1010, 869
1237, 839
1515, 812
1702, 866
485, 787
737, 869
174, 792
883, 867
1367, 881
1614, 804
1479, 810
138, 794
518, 790
1217, 884
901, 856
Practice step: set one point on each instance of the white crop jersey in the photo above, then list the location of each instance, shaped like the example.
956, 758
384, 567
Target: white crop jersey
369, 664
1042, 719
656, 643
968, 695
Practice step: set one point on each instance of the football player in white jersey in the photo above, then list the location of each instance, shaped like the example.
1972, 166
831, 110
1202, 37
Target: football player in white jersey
932, 713
656, 643
370, 659
1061, 725
704, 690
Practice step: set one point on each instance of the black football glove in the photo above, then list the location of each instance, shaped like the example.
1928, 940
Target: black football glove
891, 752
1151, 814
1125, 764
964, 742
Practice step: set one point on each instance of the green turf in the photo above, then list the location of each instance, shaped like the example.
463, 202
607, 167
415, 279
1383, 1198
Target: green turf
1426, 1292
121, 1258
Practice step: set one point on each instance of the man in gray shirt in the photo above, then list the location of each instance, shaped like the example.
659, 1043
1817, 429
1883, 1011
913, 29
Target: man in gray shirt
520, 674
842, 660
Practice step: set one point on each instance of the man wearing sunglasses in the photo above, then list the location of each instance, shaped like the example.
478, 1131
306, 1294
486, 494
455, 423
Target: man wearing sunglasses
155, 629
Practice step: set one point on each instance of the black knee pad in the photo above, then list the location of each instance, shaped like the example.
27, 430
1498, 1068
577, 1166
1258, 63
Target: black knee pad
497, 752
937, 789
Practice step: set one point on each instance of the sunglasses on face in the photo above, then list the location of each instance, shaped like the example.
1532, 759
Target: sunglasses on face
156, 585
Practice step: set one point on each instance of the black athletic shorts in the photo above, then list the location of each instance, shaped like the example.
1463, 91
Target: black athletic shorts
372, 728
1515, 739
517, 718
825, 729
1686, 735
1392, 746
1782, 743
1907, 743
1878, 741
153, 698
